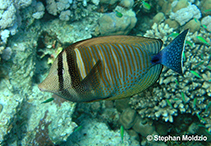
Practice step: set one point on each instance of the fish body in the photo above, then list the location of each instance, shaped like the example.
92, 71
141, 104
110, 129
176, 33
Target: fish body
111, 67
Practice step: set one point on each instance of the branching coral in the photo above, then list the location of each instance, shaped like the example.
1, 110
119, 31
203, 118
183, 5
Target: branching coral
173, 94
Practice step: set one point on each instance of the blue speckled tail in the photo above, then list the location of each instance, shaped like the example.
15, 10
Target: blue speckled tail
171, 56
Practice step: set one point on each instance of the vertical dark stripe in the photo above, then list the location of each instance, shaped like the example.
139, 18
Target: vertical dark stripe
60, 70
72, 68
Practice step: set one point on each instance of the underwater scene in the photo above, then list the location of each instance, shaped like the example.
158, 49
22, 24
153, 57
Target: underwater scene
105, 72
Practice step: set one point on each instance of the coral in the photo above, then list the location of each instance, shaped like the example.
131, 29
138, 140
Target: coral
177, 5
111, 23
159, 31
96, 2
40, 10
133, 134
193, 25
89, 135
22, 3
65, 15
54, 118
207, 22
127, 118
172, 23
122, 104
21, 74
127, 3
70, 9
8, 18
158, 18
10, 106
5, 4
174, 94
73, 32
61, 125
165, 6
26, 71
10, 12
205, 5
6, 53
4, 35
110, 115
109, 2
143, 127
26, 119
42, 135
185, 14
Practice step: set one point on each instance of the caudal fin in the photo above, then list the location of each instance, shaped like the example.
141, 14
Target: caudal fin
171, 56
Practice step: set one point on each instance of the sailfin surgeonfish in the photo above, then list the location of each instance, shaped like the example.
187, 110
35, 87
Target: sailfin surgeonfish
111, 67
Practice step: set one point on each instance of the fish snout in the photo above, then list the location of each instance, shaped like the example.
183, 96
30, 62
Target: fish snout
41, 87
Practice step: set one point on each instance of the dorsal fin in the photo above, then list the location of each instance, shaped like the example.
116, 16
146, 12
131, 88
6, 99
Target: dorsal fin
120, 39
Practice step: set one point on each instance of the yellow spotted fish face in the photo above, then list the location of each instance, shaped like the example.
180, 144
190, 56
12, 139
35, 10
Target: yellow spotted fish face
111, 67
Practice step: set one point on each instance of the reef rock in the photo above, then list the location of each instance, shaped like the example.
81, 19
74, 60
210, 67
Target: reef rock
185, 14
121, 21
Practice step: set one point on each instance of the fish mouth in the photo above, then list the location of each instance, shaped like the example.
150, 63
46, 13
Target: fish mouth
40, 86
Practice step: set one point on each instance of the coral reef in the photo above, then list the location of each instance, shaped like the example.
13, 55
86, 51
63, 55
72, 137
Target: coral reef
127, 118
10, 105
207, 22
174, 94
39, 10
185, 14
112, 23
56, 118
159, 31
89, 135
21, 101
193, 25
11, 17
33, 32
70, 9
205, 5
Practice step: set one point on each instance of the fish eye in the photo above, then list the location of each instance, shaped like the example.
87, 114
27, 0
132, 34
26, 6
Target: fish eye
62, 71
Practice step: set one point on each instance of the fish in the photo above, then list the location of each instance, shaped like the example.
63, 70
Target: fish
183, 97
48, 100
202, 40
195, 74
122, 133
146, 5
111, 67
118, 14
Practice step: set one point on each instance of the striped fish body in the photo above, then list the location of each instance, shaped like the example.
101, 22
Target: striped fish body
111, 67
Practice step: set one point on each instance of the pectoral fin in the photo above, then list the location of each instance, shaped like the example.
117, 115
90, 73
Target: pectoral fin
92, 80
